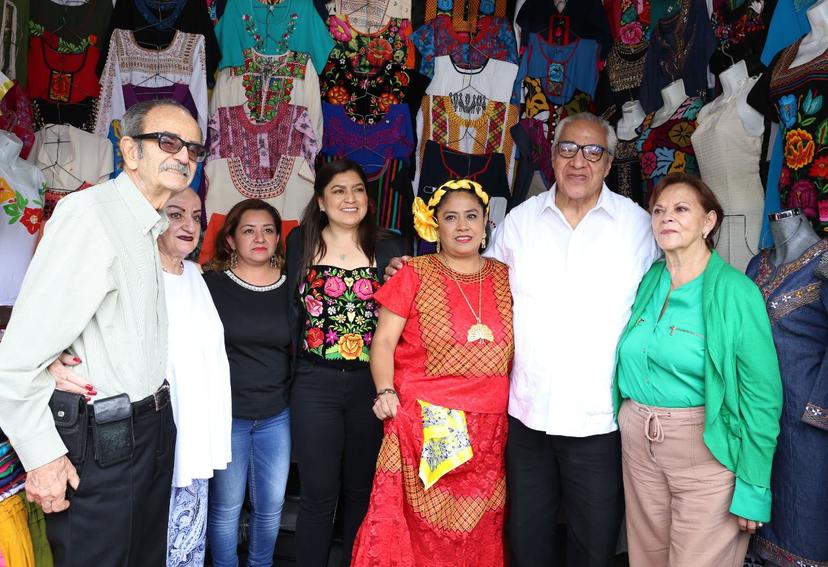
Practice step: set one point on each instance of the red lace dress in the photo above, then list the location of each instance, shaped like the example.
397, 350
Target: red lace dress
458, 520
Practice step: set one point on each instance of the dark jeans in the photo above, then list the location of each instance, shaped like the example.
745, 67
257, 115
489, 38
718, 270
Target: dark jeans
583, 474
118, 516
336, 439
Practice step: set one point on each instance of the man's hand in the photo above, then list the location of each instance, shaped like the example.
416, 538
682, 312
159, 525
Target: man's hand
46, 485
395, 265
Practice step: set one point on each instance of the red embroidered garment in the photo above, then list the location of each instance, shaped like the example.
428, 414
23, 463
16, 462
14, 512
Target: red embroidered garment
459, 520
16, 115
61, 77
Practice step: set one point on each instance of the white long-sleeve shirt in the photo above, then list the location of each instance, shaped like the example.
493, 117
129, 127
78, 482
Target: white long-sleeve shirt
573, 290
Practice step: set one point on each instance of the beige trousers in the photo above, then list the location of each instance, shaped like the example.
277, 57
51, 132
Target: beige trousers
677, 494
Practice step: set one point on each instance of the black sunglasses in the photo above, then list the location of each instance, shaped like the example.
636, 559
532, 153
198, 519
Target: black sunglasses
592, 152
172, 144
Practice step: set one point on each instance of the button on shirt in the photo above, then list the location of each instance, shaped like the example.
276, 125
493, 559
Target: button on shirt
573, 290
95, 287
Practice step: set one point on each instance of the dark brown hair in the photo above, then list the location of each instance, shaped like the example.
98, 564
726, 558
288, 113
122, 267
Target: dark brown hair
706, 197
221, 261
314, 219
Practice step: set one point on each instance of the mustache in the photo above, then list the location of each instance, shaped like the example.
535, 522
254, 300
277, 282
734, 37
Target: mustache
177, 167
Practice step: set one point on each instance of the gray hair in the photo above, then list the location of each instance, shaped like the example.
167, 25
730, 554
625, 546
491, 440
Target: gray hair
132, 124
612, 138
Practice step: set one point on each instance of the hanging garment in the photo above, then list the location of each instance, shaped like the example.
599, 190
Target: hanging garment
181, 62
728, 159
625, 174
740, 30
580, 18
471, 129
272, 29
58, 76
367, 73
464, 12
492, 81
370, 145
372, 13
667, 148
14, 44
154, 23
261, 145
535, 152
77, 25
796, 296
21, 186
680, 47
799, 95
493, 38
16, 113
264, 81
621, 80
390, 196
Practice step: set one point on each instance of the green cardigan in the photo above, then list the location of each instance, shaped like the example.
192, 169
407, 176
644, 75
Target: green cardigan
742, 385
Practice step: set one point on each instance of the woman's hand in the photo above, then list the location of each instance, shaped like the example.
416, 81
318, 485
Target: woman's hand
66, 380
748, 526
386, 404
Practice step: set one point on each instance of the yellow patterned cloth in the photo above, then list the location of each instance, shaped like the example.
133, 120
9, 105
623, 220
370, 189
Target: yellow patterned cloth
446, 443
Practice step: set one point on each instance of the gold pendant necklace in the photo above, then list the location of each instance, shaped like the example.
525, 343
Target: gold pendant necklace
479, 331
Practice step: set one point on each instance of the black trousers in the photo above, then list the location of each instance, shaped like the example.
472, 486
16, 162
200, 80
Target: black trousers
583, 474
118, 516
336, 438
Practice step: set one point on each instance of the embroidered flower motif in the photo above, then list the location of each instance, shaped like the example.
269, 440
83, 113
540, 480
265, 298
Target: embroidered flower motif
803, 194
788, 110
648, 163
785, 177
31, 219
679, 163
338, 95
379, 51
313, 305
386, 100
424, 222
331, 337
315, 337
664, 160
350, 346
445, 5
819, 168
632, 33
812, 103
680, 134
334, 286
487, 7
340, 31
799, 148
364, 289
6, 193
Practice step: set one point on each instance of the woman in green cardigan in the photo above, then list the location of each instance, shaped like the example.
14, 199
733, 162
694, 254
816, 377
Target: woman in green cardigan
698, 387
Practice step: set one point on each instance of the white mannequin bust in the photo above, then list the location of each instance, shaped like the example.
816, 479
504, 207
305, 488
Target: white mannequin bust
736, 84
672, 96
631, 118
815, 42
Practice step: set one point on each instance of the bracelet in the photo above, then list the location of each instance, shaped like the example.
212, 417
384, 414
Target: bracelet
385, 391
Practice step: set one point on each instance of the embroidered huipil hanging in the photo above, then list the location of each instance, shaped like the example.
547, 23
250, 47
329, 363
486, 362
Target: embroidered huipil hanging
368, 72
16, 113
367, 14
265, 81
182, 62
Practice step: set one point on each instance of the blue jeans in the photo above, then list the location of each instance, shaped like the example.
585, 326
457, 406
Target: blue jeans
261, 459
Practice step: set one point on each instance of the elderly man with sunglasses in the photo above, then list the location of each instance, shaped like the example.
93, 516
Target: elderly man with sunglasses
576, 254
95, 288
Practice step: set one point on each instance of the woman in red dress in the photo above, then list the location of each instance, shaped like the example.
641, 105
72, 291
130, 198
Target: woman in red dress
440, 359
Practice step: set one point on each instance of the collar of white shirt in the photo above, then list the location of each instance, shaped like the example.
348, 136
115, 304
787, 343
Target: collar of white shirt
146, 217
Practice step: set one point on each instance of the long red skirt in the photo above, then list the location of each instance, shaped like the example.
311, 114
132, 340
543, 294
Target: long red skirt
457, 522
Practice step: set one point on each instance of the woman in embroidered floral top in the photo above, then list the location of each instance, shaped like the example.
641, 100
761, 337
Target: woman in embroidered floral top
445, 342
333, 264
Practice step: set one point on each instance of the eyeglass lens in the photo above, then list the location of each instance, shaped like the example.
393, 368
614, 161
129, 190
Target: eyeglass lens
172, 144
591, 152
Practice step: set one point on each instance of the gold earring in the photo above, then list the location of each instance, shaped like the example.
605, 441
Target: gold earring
234, 260
438, 245
483, 242
274, 261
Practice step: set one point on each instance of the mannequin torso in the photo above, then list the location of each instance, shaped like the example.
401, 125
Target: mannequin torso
632, 117
733, 80
672, 95
816, 42
792, 235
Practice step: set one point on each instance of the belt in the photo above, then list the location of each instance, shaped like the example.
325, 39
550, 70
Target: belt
156, 401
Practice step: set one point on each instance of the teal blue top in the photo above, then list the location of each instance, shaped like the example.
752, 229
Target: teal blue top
661, 362
742, 386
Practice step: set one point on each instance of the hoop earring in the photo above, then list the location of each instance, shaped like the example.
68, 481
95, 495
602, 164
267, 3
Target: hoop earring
234, 260
274, 261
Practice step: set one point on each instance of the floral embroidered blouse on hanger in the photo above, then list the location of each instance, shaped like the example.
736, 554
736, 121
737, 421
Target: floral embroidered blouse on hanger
464, 11
272, 29
265, 81
373, 13
370, 145
128, 63
60, 76
493, 39
261, 145
340, 315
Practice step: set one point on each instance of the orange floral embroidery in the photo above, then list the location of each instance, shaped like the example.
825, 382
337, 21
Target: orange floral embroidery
350, 346
799, 148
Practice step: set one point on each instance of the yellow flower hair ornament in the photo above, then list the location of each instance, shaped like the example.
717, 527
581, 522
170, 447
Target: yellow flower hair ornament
424, 222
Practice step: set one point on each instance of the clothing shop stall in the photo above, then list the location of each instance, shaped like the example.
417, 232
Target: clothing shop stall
419, 92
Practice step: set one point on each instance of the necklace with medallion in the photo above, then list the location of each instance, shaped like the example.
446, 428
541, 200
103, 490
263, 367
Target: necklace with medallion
479, 331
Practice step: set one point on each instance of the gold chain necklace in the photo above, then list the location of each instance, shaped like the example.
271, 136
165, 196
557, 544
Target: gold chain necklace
479, 331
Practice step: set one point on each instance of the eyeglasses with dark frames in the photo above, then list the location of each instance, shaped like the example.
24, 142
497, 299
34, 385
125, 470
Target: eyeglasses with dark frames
172, 144
591, 152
